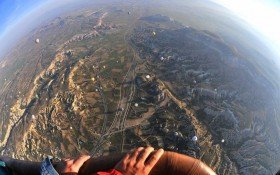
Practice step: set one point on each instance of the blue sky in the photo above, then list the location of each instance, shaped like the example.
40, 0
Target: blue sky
262, 15
18, 17
12, 10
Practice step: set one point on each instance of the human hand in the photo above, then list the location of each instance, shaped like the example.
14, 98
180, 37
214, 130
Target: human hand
71, 165
139, 162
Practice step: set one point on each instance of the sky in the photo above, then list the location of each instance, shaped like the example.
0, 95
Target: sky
262, 15
13, 10
17, 17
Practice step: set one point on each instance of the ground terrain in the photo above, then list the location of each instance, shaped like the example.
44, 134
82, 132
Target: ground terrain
107, 80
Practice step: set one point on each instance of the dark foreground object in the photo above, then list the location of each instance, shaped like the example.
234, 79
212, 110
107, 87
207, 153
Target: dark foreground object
169, 164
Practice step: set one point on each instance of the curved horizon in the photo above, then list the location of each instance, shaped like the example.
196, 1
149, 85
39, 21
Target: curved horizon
255, 14
25, 20
13, 11
261, 16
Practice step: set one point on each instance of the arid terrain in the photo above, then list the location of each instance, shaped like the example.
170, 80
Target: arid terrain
110, 80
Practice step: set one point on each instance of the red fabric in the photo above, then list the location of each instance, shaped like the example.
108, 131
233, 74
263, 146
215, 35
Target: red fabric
111, 172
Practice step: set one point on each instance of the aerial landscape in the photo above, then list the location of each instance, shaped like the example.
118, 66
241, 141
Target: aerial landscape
111, 78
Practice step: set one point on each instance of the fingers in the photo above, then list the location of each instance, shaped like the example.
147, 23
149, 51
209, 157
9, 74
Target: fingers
81, 160
145, 154
129, 160
135, 154
65, 160
68, 162
154, 159
126, 157
139, 161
